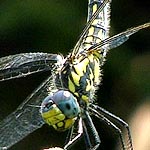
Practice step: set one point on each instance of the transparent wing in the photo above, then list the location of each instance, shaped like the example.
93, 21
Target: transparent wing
20, 65
97, 27
118, 39
26, 118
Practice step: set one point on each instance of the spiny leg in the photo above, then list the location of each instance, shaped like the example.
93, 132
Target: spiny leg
71, 139
102, 112
93, 141
118, 120
69, 135
86, 136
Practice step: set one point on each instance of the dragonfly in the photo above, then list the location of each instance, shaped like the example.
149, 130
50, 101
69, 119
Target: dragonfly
66, 100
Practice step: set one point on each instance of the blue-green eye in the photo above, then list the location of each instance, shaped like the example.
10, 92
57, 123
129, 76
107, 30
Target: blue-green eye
49, 104
65, 101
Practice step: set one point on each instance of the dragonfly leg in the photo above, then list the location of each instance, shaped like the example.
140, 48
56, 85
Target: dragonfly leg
91, 136
71, 139
121, 123
101, 115
87, 128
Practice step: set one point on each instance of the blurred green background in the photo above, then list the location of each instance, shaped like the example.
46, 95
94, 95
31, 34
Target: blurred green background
54, 26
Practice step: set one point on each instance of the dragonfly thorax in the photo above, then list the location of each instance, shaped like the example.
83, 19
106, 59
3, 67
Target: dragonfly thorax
82, 76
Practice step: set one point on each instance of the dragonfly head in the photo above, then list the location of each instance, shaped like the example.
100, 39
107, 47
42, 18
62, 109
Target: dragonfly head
60, 110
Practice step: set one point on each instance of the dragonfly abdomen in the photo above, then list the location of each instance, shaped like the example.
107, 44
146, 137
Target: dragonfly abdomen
99, 28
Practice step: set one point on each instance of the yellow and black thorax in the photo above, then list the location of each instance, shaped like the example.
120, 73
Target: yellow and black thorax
82, 75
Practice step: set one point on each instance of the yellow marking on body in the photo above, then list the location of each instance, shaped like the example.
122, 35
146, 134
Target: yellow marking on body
95, 22
80, 68
91, 57
80, 58
91, 74
64, 72
85, 62
98, 40
55, 119
88, 87
52, 112
69, 122
55, 127
88, 40
94, 8
71, 85
91, 31
97, 55
87, 45
96, 70
76, 94
101, 34
76, 78
60, 124
53, 116
85, 98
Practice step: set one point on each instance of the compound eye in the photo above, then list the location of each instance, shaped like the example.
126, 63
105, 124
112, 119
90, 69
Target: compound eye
49, 104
